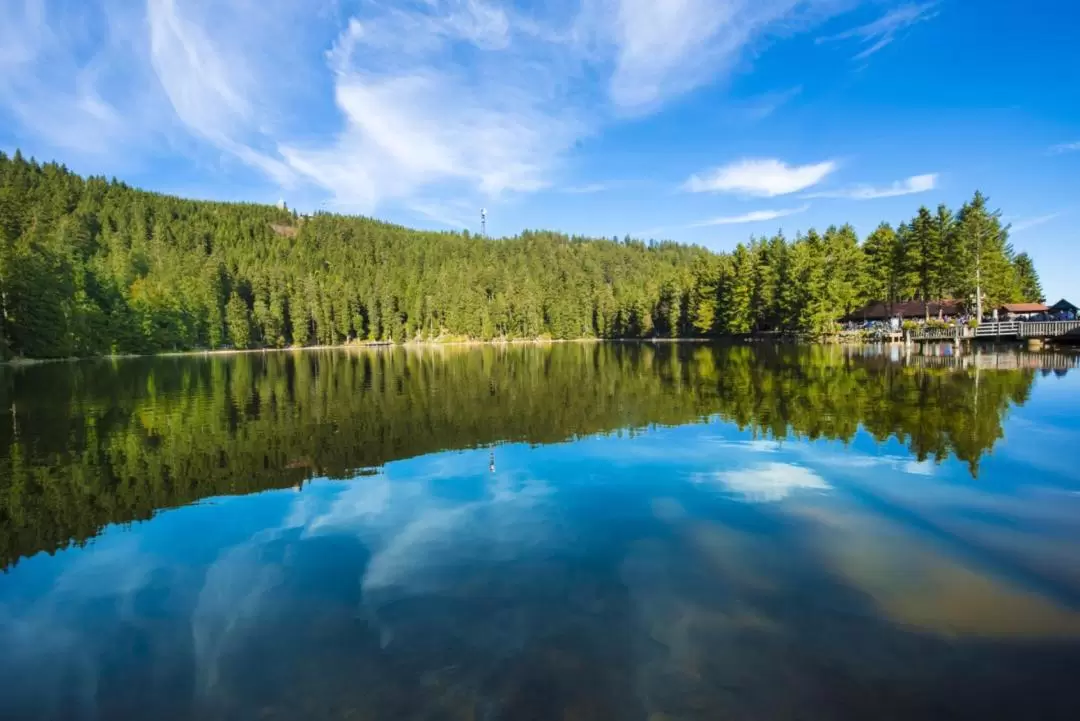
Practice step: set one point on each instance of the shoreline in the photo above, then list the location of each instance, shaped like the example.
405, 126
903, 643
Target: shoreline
375, 345
367, 345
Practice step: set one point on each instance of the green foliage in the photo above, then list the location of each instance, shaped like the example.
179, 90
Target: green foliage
1030, 289
238, 320
942, 256
92, 267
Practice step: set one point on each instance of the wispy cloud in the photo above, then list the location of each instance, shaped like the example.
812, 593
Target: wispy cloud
760, 177
400, 103
1065, 148
666, 48
588, 189
69, 99
757, 216
1028, 223
883, 31
765, 105
910, 186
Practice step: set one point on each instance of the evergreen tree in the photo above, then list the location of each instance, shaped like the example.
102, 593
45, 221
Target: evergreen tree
880, 253
239, 322
738, 292
1028, 280
843, 271
703, 312
985, 255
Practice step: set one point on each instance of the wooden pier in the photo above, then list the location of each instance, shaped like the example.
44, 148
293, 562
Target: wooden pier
1008, 330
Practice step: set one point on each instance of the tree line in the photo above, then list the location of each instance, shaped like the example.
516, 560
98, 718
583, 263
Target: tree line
91, 267
114, 441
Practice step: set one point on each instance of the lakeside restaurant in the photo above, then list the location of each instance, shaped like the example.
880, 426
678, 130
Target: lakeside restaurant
909, 310
1022, 311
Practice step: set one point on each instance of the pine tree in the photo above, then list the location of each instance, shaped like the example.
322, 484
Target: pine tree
739, 292
880, 253
843, 271
986, 255
1028, 280
238, 320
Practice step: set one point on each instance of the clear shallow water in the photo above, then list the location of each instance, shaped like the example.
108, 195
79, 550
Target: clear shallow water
577, 532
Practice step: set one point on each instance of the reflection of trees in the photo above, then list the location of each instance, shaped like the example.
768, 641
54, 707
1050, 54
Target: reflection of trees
106, 442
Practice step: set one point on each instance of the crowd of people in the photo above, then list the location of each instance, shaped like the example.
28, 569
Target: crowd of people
894, 325
1043, 317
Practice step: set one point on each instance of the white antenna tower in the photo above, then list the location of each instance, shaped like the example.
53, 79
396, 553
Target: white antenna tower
483, 222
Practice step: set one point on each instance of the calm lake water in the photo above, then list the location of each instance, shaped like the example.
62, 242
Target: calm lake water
576, 532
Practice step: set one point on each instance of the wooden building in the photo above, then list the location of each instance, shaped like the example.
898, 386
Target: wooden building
1064, 306
1014, 311
909, 310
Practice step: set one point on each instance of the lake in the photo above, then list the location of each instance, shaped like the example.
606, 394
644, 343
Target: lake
577, 531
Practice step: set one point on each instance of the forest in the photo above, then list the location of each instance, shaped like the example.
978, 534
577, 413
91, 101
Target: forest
91, 267
114, 441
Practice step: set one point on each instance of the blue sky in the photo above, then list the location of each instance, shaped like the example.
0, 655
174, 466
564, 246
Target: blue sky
702, 121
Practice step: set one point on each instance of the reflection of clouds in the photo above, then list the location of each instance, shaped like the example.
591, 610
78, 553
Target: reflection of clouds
425, 525
766, 483
864, 461
419, 539
755, 445
51, 656
233, 592
416, 536
363, 498
918, 468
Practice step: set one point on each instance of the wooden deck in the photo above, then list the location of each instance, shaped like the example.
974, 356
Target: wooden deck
1020, 330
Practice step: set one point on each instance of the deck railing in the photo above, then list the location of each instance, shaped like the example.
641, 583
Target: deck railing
1048, 328
1004, 329
1008, 328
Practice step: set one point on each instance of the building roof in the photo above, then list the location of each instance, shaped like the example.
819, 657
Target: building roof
1024, 308
909, 309
1063, 305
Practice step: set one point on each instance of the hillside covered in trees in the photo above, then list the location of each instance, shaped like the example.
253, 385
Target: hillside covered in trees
92, 267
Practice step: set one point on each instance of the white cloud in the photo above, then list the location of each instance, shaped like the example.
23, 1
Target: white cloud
764, 105
883, 31
756, 216
416, 117
1065, 148
766, 483
910, 186
210, 92
588, 189
1027, 223
63, 96
424, 101
760, 177
666, 48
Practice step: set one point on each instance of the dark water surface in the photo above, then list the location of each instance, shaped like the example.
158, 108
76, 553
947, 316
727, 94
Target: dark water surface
574, 532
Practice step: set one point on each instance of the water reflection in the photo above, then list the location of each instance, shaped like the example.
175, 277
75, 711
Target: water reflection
744, 557
89, 444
